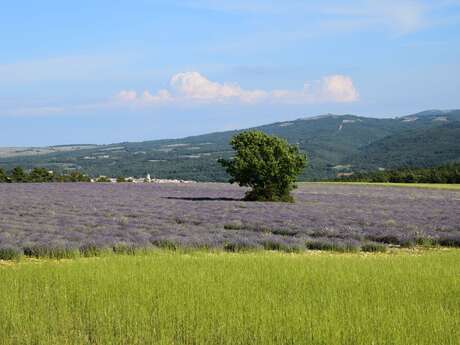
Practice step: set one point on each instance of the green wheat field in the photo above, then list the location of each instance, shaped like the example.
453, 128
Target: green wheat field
167, 297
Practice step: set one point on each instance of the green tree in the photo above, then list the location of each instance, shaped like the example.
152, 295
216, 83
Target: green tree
18, 175
103, 179
40, 175
3, 177
121, 179
74, 176
266, 164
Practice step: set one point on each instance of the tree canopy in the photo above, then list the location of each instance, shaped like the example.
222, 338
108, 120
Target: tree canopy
18, 175
3, 177
266, 164
40, 175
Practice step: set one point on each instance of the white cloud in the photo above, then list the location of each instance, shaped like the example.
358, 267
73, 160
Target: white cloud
127, 96
195, 87
330, 89
339, 88
192, 87
162, 96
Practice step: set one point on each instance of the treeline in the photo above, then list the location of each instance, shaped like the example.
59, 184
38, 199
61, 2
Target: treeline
442, 174
40, 175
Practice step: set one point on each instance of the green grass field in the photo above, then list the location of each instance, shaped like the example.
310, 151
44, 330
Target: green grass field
443, 186
220, 298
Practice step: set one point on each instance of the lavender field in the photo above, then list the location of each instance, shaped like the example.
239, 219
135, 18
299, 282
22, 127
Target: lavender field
213, 215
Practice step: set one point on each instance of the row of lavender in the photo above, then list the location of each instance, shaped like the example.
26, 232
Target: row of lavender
45, 218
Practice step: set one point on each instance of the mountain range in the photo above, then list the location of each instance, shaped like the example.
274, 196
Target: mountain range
335, 145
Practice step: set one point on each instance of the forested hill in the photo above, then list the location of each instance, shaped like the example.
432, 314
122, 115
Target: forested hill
336, 145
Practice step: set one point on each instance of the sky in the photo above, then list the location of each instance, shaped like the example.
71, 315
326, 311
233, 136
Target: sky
99, 71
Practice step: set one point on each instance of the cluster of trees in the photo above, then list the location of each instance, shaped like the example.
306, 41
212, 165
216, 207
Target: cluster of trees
443, 174
40, 175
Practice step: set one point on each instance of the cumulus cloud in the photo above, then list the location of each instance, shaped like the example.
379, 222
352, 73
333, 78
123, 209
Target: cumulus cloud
162, 96
339, 88
130, 96
330, 89
192, 87
127, 96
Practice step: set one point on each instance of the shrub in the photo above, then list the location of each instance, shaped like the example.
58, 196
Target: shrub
10, 253
284, 232
408, 242
239, 246
40, 251
124, 248
330, 245
386, 238
179, 220
374, 247
234, 226
274, 244
165, 244
319, 245
90, 249
426, 241
450, 240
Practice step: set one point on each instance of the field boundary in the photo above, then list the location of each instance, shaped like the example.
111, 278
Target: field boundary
440, 186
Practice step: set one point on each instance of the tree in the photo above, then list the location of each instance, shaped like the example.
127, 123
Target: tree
3, 177
266, 164
40, 175
103, 179
74, 176
18, 175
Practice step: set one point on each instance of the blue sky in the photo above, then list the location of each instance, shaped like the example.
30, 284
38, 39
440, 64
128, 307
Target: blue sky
96, 71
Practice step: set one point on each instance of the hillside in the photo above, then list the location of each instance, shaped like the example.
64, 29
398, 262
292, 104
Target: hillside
335, 144
416, 148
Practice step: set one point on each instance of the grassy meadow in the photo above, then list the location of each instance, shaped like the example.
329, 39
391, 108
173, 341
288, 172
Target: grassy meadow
166, 297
